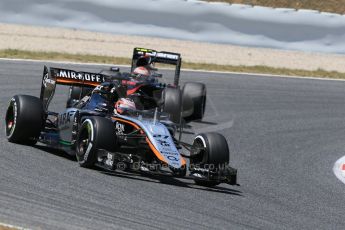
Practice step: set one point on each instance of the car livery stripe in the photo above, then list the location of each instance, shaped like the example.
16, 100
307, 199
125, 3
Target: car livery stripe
156, 152
183, 161
65, 142
64, 81
125, 121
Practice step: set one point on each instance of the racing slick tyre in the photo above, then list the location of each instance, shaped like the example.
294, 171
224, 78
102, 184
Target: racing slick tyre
95, 133
172, 98
196, 92
24, 119
75, 93
209, 150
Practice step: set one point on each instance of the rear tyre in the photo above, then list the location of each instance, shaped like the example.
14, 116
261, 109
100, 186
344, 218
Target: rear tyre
173, 103
196, 92
95, 133
24, 119
211, 151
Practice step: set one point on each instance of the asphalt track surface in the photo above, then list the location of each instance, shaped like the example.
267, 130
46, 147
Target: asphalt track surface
285, 136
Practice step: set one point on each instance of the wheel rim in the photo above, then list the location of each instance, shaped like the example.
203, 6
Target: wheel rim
198, 144
84, 141
10, 120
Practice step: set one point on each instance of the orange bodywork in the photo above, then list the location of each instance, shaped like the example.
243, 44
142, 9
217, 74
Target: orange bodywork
65, 81
152, 147
131, 91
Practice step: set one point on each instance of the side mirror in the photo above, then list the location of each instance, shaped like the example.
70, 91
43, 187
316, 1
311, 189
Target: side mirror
157, 75
115, 69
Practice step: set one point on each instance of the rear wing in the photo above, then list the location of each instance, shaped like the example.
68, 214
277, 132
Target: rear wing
53, 76
159, 57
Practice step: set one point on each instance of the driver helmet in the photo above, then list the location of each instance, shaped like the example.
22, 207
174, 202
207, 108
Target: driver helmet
144, 60
124, 104
142, 70
143, 65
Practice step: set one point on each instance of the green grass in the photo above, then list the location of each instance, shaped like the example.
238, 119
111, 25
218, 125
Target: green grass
10, 53
334, 6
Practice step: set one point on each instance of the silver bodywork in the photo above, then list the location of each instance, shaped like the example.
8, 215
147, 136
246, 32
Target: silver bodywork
160, 137
65, 124
156, 132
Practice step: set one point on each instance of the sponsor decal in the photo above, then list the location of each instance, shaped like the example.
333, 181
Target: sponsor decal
120, 128
153, 53
86, 156
70, 74
163, 143
167, 152
110, 160
47, 81
172, 158
167, 56
65, 118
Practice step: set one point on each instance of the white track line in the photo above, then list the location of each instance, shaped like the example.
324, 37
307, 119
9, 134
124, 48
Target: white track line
339, 169
188, 70
12, 226
265, 75
60, 62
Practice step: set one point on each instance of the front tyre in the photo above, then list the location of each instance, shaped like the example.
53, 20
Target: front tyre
209, 151
95, 133
24, 119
